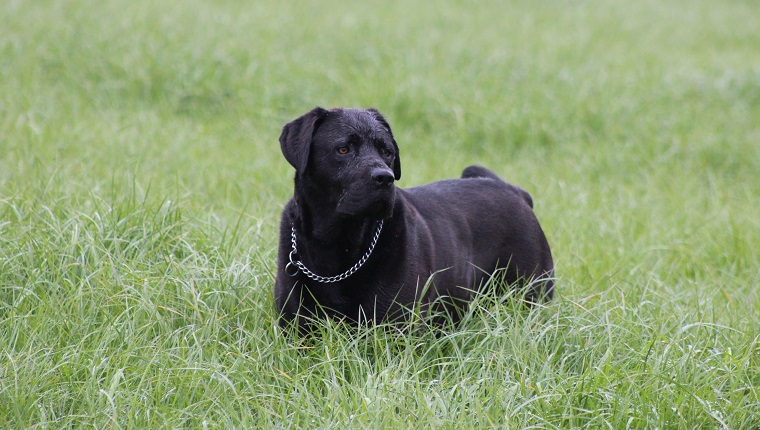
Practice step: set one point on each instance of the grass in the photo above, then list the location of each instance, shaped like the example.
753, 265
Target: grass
141, 183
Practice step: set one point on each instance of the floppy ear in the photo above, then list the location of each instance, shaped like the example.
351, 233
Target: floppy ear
396, 161
295, 140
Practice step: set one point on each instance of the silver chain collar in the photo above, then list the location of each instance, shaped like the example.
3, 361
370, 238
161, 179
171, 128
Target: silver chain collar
295, 261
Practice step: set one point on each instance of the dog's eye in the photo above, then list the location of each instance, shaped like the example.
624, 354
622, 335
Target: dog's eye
343, 150
385, 152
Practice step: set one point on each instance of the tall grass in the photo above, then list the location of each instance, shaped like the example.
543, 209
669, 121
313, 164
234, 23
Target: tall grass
141, 183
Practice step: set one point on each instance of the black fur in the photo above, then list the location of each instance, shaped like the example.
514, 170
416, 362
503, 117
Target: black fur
460, 231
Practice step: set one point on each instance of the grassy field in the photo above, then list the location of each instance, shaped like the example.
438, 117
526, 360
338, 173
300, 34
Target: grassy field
141, 183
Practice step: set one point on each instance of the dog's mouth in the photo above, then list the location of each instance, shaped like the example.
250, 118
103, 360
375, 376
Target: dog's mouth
374, 204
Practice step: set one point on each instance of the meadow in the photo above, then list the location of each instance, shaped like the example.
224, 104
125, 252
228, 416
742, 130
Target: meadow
141, 182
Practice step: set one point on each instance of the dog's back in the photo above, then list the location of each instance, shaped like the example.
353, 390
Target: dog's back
482, 172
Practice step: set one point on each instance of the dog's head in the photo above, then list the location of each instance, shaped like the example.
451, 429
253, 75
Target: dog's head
347, 156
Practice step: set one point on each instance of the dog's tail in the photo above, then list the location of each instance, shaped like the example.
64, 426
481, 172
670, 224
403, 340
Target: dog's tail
482, 172
479, 172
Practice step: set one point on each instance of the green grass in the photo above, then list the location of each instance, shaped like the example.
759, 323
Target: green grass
141, 183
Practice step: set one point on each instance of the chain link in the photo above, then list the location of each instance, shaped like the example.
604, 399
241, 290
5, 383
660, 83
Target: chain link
294, 261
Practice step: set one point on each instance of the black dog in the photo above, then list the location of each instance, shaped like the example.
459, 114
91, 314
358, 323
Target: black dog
355, 247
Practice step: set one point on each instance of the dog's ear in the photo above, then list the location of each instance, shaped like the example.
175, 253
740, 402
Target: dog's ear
295, 140
396, 161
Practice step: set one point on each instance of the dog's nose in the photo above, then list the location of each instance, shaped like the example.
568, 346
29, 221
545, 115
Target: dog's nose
383, 177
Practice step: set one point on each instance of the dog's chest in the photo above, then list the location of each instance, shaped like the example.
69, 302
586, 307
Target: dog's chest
358, 297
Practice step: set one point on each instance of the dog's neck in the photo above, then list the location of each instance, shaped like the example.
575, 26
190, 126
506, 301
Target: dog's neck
315, 219
330, 229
